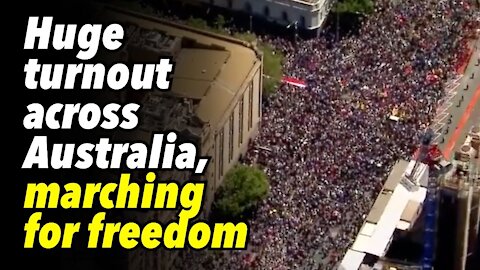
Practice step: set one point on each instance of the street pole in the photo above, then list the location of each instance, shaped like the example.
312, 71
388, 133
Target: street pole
250, 23
295, 29
296, 32
337, 26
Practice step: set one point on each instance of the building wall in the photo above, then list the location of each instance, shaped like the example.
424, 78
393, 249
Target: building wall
224, 153
140, 259
309, 15
208, 149
232, 135
233, 143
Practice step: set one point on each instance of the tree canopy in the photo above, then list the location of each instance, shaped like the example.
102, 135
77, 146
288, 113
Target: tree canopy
242, 188
197, 23
354, 6
272, 63
272, 58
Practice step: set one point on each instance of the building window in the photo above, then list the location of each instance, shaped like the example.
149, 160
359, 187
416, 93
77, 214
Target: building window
302, 22
230, 3
266, 11
240, 122
212, 2
211, 172
217, 156
260, 95
250, 105
220, 158
285, 16
248, 8
230, 138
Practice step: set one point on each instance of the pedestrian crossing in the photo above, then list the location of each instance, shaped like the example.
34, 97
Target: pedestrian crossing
442, 117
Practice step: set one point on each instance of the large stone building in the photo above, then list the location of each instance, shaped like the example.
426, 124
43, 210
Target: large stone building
214, 101
307, 14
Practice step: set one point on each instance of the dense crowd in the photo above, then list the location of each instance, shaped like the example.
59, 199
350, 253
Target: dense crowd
328, 148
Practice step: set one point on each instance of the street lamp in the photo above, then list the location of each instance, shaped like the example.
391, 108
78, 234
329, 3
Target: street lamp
250, 23
295, 27
337, 25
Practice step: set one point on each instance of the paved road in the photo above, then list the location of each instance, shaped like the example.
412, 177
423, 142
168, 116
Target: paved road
463, 108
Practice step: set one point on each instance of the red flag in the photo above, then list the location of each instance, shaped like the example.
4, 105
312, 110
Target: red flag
294, 82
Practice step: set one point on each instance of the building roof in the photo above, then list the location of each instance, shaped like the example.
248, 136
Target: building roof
395, 208
395, 175
418, 173
386, 225
404, 225
394, 178
378, 207
210, 68
410, 211
352, 260
308, 1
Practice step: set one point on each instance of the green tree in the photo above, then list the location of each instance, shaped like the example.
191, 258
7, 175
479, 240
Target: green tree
272, 63
272, 67
249, 37
242, 188
272, 59
197, 23
354, 6
220, 21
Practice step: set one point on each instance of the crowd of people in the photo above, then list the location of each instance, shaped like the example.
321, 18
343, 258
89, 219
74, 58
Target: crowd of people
328, 148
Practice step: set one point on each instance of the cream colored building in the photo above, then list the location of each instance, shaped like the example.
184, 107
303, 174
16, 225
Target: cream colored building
215, 101
392, 215
308, 14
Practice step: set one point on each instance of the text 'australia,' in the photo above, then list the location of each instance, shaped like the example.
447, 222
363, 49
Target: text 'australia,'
163, 153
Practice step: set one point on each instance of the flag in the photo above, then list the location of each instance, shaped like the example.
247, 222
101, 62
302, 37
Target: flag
294, 82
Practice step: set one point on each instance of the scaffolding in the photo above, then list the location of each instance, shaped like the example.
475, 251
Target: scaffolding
431, 208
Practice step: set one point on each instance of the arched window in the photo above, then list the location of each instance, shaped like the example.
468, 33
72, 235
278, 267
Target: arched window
248, 8
285, 16
266, 11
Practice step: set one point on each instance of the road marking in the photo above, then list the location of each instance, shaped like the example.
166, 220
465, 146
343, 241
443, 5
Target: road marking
461, 123
445, 105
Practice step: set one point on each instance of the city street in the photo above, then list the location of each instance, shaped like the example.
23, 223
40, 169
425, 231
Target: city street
465, 115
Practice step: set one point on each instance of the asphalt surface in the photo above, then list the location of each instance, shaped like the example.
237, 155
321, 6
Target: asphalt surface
462, 109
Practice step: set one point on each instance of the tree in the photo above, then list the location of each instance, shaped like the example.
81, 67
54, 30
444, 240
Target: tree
242, 188
272, 66
197, 23
272, 59
354, 6
272, 63
249, 37
220, 21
